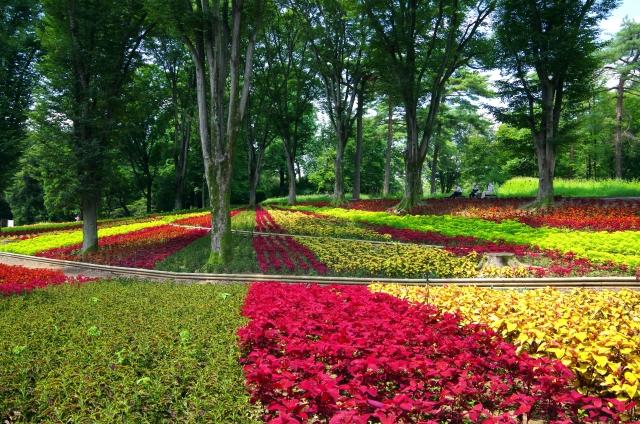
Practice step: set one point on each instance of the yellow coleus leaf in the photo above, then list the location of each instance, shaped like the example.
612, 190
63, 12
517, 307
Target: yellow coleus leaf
581, 336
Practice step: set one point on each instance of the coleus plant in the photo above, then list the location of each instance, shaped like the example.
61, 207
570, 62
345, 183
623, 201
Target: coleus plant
344, 355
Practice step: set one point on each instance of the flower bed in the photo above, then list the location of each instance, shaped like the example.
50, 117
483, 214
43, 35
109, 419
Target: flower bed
595, 333
591, 214
556, 263
18, 279
275, 253
374, 259
138, 249
620, 247
344, 355
202, 220
54, 240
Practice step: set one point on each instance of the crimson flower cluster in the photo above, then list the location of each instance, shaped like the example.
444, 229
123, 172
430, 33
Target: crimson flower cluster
278, 253
18, 279
342, 354
138, 249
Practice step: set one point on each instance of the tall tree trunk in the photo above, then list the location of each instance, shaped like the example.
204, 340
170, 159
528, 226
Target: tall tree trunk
291, 175
338, 188
89, 222
413, 162
434, 167
255, 165
545, 141
283, 187
181, 166
546, 170
618, 135
358, 154
148, 194
387, 157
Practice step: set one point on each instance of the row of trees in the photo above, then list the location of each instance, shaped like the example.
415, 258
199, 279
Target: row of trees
294, 88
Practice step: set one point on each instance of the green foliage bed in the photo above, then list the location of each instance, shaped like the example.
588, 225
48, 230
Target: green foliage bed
123, 351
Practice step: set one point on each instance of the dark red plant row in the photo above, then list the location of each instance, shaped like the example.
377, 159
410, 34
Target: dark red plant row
275, 253
589, 214
345, 355
202, 220
137, 249
560, 264
18, 279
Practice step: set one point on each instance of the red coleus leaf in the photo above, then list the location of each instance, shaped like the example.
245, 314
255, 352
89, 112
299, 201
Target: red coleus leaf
347, 354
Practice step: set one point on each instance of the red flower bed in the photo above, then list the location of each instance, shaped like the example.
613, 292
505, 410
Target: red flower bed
280, 253
18, 279
588, 214
345, 355
137, 249
202, 220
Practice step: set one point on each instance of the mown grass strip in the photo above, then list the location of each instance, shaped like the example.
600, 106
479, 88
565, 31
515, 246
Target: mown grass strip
123, 351
528, 187
194, 257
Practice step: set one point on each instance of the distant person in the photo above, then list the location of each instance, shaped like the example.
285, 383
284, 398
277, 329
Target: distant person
77, 217
457, 192
489, 191
475, 191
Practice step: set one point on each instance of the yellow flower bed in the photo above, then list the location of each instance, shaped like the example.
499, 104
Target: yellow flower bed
397, 259
596, 333
300, 223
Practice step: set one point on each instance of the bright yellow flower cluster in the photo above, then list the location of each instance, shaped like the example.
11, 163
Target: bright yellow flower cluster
596, 333
302, 224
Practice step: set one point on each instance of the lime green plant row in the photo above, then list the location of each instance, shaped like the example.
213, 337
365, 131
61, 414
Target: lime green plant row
53, 240
122, 351
528, 187
302, 224
622, 247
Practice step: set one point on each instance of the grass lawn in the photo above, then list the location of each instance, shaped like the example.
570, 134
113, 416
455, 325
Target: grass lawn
193, 258
528, 187
123, 351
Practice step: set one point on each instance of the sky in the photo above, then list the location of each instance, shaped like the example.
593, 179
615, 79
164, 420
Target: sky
628, 8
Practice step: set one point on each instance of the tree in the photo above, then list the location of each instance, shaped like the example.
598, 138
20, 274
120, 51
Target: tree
143, 131
290, 88
422, 45
216, 34
337, 36
259, 131
180, 75
623, 55
555, 42
92, 48
19, 47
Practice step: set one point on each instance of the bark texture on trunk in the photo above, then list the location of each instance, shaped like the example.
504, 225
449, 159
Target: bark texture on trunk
338, 188
387, 157
544, 139
89, 223
434, 167
618, 134
181, 166
221, 103
291, 176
